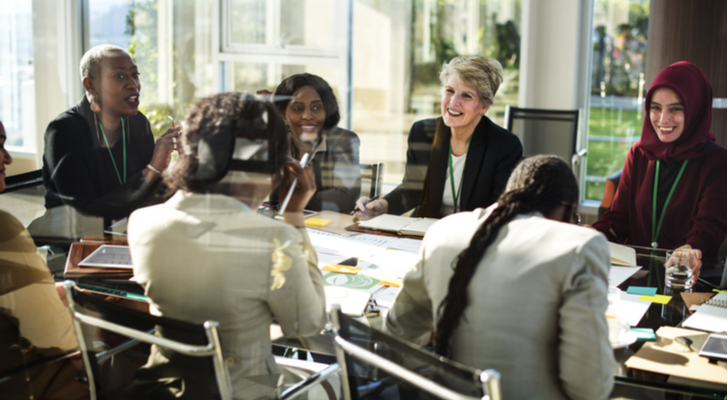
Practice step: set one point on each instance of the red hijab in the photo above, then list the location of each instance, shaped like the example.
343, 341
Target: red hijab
696, 94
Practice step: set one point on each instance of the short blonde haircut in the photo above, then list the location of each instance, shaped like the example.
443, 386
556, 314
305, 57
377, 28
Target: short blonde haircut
484, 74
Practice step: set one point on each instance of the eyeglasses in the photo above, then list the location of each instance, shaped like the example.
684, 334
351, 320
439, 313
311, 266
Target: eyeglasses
576, 217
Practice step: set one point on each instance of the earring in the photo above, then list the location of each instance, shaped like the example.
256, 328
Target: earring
95, 107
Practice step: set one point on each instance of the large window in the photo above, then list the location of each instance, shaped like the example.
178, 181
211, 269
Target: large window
384, 73
169, 41
617, 88
17, 90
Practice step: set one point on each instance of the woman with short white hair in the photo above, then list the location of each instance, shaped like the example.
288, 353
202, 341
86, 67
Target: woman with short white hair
460, 160
100, 156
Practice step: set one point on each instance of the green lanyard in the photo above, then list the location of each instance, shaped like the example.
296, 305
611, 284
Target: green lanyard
456, 195
123, 139
656, 232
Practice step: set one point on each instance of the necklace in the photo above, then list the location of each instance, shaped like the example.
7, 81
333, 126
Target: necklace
456, 195
123, 140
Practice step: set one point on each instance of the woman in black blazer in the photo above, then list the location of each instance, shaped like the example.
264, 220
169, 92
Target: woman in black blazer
100, 156
461, 160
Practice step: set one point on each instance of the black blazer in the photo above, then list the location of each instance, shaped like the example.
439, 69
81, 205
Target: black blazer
492, 155
77, 170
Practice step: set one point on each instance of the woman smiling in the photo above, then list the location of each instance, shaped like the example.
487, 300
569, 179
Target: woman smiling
461, 160
100, 156
309, 108
672, 193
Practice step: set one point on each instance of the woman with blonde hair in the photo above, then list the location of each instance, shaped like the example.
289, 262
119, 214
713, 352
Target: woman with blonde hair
460, 160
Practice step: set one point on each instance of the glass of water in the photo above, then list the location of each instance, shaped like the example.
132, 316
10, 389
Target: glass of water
678, 271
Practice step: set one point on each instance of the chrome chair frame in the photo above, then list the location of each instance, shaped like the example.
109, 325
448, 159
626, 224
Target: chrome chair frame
212, 349
489, 379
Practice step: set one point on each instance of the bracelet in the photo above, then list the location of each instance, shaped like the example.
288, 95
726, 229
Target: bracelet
153, 169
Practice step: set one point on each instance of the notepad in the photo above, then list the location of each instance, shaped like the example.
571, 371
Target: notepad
400, 225
317, 222
710, 316
622, 255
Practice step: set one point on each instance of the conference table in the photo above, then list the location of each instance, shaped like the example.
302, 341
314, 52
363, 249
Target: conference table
629, 382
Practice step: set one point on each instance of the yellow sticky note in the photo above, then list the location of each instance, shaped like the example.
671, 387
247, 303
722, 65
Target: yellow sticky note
317, 222
658, 298
342, 269
393, 282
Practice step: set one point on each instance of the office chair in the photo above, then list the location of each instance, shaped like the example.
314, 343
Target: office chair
547, 132
372, 177
23, 181
187, 339
610, 189
377, 365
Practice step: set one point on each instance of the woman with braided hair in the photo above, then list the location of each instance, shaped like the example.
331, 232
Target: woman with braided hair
527, 292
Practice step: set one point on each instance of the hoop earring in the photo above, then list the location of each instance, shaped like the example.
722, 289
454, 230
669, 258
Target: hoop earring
95, 107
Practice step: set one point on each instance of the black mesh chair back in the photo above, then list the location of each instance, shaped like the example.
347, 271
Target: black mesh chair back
183, 342
24, 181
547, 132
379, 366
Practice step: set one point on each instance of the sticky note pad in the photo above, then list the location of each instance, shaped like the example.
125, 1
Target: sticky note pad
658, 298
393, 282
647, 291
317, 222
341, 269
644, 334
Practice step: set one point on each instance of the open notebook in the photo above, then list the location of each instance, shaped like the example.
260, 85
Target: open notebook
622, 255
710, 316
401, 225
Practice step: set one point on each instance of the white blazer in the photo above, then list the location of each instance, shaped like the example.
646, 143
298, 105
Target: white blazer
210, 257
536, 308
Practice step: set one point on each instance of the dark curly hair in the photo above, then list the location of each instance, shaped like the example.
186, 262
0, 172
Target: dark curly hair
208, 139
290, 85
539, 183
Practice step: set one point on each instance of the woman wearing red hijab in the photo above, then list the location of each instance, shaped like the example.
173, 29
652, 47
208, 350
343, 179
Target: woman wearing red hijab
673, 188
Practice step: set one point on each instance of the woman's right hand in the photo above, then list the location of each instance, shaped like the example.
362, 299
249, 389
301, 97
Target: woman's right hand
366, 209
302, 193
163, 148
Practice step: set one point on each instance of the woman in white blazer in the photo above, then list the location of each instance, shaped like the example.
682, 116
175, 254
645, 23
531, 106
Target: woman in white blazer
527, 292
206, 254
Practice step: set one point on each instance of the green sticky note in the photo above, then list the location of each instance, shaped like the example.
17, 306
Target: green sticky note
658, 298
647, 291
644, 334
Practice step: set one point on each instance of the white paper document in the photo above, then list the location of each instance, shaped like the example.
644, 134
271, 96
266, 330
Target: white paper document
630, 308
619, 274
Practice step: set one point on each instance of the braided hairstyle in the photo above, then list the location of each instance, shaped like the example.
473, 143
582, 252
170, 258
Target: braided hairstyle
540, 183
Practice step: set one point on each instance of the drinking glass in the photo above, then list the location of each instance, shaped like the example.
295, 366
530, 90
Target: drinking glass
678, 271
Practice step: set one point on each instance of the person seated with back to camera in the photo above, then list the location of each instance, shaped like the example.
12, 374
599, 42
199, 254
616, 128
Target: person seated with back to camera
206, 254
459, 161
310, 110
527, 293
100, 157
34, 323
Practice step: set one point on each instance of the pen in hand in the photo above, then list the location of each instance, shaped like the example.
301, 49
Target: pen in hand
304, 161
364, 205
